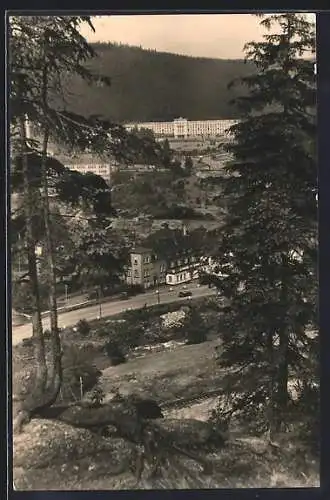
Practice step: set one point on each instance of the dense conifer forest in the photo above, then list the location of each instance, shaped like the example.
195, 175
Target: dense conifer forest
148, 86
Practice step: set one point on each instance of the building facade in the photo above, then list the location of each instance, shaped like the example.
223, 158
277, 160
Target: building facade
88, 163
183, 270
147, 270
80, 162
183, 128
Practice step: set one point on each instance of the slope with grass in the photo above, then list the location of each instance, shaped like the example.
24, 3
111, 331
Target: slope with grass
51, 455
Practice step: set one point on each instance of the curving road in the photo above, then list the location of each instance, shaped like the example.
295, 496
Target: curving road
70, 318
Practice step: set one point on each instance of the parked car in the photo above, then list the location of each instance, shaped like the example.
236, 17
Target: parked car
185, 293
124, 296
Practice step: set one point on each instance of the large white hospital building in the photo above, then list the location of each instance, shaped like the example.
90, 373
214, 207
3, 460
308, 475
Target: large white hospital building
181, 127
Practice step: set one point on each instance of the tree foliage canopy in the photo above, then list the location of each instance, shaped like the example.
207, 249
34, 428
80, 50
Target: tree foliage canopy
268, 250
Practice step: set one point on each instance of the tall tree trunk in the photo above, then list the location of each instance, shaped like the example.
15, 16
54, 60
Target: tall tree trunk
271, 410
282, 379
37, 332
282, 375
56, 378
35, 397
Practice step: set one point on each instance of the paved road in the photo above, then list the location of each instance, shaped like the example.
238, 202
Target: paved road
114, 307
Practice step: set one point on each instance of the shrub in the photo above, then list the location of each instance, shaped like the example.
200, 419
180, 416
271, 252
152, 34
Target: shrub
83, 327
196, 335
195, 328
220, 421
69, 331
125, 335
103, 331
97, 395
131, 336
114, 353
138, 316
22, 299
307, 414
77, 368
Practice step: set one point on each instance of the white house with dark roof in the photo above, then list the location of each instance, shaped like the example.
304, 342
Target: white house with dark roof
147, 269
183, 269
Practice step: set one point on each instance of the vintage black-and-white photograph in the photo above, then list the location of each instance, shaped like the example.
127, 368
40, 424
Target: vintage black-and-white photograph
163, 181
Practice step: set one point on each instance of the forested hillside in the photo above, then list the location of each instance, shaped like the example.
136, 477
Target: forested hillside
149, 86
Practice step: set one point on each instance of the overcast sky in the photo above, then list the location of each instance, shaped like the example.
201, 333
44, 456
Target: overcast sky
204, 35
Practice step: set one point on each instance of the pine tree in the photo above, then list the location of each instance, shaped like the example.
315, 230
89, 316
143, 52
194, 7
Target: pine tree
268, 248
97, 255
44, 50
166, 154
188, 165
29, 203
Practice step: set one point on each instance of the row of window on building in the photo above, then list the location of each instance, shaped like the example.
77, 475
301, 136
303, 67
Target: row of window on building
146, 273
181, 127
147, 269
149, 258
105, 170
